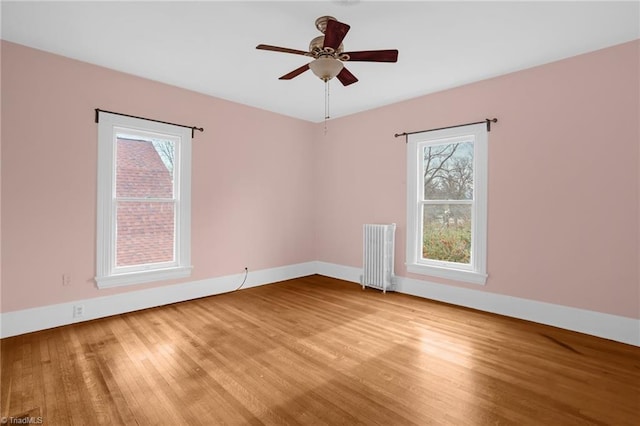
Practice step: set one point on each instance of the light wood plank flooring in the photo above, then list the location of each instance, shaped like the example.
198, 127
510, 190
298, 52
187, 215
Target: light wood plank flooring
317, 350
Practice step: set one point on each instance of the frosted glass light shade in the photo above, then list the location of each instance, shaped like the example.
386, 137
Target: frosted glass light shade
326, 68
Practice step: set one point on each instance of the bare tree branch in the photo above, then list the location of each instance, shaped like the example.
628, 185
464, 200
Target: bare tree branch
430, 174
165, 150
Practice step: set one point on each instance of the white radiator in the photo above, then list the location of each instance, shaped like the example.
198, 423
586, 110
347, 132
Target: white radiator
378, 242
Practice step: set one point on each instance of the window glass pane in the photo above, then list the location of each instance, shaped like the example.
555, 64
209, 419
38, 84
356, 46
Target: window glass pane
144, 168
446, 232
448, 171
145, 232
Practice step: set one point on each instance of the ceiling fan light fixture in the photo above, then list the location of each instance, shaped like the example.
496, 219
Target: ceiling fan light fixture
326, 67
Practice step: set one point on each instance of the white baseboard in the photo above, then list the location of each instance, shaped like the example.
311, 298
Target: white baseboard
613, 327
41, 318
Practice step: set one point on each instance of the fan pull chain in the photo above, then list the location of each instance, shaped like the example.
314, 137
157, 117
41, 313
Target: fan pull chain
326, 105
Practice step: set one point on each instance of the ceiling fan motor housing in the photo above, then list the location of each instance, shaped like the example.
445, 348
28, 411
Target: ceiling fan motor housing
316, 48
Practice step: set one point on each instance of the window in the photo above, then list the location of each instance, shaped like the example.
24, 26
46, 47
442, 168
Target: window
143, 215
447, 203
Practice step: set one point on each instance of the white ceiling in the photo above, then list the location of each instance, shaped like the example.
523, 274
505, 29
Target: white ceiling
209, 47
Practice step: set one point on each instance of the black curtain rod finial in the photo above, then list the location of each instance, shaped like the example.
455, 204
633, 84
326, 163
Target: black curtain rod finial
193, 130
489, 121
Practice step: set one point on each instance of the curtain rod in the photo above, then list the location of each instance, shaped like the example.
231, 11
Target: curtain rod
486, 120
193, 128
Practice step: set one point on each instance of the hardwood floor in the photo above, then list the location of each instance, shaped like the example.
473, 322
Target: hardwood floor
318, 351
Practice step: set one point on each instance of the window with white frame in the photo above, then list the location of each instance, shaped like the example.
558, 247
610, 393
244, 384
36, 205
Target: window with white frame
144, 191
447, 203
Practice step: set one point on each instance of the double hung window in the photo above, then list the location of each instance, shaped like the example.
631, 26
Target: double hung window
143, 215
447, 203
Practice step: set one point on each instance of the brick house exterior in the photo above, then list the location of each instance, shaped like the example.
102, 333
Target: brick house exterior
145, 230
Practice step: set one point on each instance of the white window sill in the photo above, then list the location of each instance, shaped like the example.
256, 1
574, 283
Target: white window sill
449, 273
132, 278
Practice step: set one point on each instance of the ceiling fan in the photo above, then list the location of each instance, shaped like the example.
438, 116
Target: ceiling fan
328, 53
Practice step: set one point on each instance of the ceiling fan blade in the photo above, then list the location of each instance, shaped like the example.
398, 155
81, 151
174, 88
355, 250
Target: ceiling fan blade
346, 78
335, 33
282, 49
373, 55
295, 72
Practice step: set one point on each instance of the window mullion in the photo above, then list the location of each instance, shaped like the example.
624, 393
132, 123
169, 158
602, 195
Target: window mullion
447, 201
145, 200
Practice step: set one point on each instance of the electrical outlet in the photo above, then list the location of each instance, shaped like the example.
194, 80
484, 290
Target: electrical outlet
66, 279
78, 311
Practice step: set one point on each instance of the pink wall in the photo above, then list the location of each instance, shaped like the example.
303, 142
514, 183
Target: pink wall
563, 179
1, 177
250, 179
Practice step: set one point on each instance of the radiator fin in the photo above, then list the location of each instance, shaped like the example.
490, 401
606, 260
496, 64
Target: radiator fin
378, 256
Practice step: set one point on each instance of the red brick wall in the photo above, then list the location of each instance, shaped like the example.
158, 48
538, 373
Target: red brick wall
145, 229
